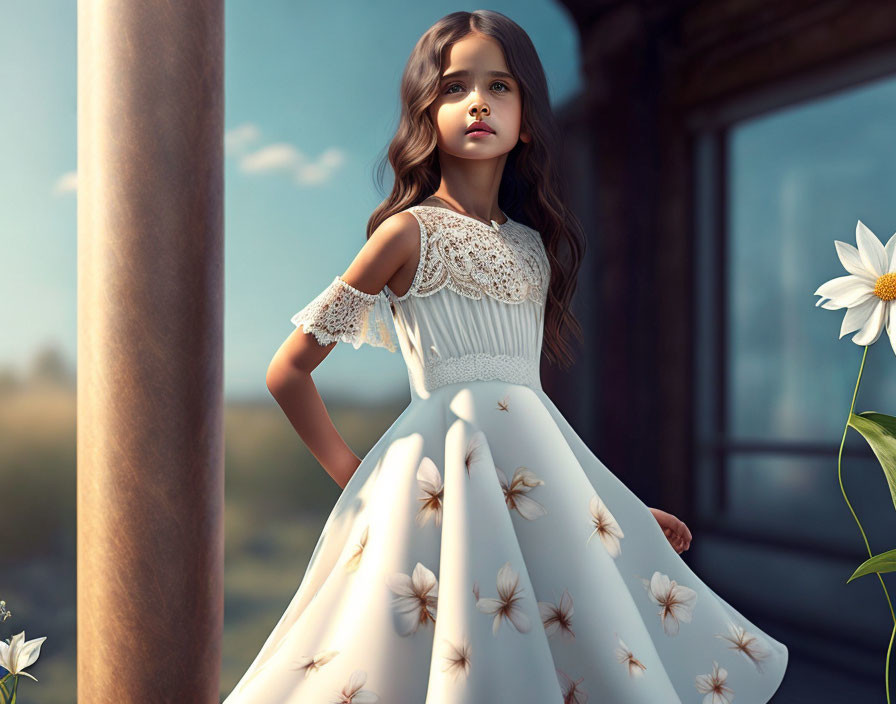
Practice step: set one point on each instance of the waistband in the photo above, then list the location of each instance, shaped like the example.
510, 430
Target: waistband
480, 366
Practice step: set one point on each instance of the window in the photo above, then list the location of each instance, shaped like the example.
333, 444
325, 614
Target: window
775, 382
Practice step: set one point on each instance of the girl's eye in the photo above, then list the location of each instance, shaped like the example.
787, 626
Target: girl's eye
496, 83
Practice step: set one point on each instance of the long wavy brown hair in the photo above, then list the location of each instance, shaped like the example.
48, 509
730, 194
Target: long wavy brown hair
531, 190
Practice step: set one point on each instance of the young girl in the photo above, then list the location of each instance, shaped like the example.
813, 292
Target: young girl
480, 552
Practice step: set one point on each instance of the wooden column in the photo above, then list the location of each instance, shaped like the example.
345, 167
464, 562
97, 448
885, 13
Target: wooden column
150, 481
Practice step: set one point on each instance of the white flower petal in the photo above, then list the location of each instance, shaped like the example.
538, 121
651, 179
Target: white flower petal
891, 324
487, 605
830, 305
890, 249
660, 583
428, 476
852, 262
566, 603
15, 647
401, 584
857, 316
357, 680
407, 604
424, 579
670, 624
19, 654
846, 290
687, 600
871, 250
872, 328
409, 621
507, 579
424, 513
547, 611
611, 543
526, 477
529, 508
519, 619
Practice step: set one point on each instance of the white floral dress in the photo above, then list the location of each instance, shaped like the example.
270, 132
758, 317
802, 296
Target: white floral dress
481, 552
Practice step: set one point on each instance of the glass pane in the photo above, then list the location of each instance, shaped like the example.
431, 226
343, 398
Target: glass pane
796, 498
799, 179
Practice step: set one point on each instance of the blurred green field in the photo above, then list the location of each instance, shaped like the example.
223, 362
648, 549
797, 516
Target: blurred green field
277, 500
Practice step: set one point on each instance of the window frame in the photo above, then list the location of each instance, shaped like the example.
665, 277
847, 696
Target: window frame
709, 128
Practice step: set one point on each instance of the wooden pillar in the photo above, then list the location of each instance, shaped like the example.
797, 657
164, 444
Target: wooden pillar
150, 481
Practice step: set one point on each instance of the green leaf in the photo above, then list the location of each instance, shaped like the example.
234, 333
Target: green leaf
885, 562
879, 430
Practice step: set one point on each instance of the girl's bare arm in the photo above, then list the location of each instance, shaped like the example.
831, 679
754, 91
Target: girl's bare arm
390, 252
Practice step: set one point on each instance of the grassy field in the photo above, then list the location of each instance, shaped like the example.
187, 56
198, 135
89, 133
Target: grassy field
277, 500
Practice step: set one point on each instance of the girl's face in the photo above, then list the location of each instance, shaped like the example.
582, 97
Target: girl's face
476, 85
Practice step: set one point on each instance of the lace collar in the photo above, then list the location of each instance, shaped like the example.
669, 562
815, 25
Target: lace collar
505, 261
494, 225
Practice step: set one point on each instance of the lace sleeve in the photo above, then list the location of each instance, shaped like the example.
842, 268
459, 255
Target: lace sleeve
343, 313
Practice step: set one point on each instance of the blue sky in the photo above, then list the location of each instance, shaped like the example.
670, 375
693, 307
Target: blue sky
298, 196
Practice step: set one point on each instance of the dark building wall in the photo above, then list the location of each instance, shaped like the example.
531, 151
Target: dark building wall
663, 80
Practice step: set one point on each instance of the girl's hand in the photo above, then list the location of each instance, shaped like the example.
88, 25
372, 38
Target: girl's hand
676, 531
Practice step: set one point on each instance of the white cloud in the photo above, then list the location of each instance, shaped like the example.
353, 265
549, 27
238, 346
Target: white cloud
65, 183
280, 156
271, 158
237, 139
283, 156
321, 170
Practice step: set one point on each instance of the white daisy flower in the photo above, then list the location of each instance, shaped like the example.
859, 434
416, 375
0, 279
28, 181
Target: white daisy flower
868, 292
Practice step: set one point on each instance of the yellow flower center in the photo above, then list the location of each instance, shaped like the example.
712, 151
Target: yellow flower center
885, 288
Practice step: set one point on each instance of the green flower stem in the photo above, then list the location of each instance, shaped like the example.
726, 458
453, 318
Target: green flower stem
864, 537
15, 686
5, 698
889, 649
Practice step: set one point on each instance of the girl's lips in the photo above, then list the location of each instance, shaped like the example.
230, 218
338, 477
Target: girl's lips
479, 133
